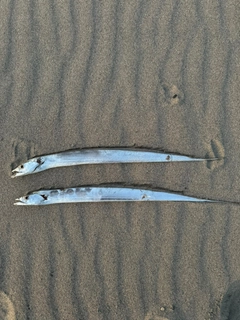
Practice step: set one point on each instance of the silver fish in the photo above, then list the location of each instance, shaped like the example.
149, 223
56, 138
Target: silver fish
93, 156
101, 194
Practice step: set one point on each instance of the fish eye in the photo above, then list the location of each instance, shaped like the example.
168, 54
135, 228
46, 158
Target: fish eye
21, 166
26, 197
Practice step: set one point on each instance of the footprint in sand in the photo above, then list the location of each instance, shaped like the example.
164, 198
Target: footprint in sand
230, 307
7, 311
215, 150
172, 94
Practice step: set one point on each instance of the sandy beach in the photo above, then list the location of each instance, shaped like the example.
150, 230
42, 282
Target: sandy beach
154, 74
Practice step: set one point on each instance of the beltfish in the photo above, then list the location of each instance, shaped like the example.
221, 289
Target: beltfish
96, 156
101, 194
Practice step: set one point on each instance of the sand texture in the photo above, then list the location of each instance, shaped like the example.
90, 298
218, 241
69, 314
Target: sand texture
114, 73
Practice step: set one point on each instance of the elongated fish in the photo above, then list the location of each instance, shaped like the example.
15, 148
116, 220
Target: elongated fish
93, 156
101, 194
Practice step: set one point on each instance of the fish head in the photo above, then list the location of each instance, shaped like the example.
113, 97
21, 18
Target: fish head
29, 167
31, 199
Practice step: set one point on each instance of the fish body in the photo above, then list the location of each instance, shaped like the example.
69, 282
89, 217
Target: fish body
101, 194
96, 156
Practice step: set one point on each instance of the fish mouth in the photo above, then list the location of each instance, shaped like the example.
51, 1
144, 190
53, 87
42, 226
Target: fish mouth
17, 173
14, 173
19, 202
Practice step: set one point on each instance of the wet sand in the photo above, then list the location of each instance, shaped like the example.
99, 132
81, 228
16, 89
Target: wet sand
154, 74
